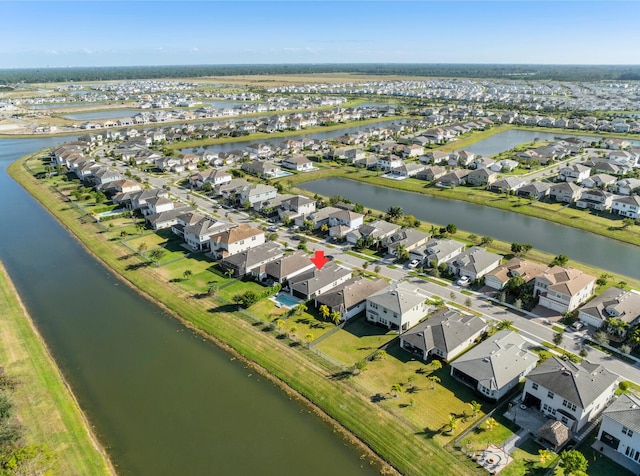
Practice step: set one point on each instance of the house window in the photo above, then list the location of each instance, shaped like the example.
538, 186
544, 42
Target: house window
374, 306
565, 420
627, 431
550, 394
569, 405
534, 386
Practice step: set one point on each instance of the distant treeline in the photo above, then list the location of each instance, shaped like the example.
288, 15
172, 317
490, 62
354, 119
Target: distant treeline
534, 72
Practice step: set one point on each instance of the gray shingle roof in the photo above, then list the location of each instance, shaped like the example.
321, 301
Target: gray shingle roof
626, 411
400, 297
579, 383
498, 360
446, 329
309, 283
351, 292
288, 264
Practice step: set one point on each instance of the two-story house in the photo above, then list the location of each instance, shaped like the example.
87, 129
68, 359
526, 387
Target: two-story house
256, 195
573, 394
296, 206
628, 206
318, 281
349, 298
620, 429
574, 173
614, 302
235, 240
474, 263
563, 289
567, 192
437, 251
398, 307
595, 199
297, 162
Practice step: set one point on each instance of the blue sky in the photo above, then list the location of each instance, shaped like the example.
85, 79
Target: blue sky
112, 33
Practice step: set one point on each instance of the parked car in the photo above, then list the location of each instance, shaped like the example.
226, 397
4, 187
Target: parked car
272, 228
463, 281
576, 326
413, 263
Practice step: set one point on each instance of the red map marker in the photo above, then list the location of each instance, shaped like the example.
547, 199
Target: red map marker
319, 260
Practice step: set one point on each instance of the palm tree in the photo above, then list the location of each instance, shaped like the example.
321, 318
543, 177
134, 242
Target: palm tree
336, 317
490, 424
292, 331
212, 290
396, 388
435, 365
434, 379
545, 455
300, 308
142, 247
453, 423
324, 311
394, 213
187, 274
381, 354
308, 338
475, 407
280, 324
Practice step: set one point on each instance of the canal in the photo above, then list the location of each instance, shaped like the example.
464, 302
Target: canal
557, 239
162, 400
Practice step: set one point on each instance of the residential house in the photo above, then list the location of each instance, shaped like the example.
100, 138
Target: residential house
599, 181
535, 190
620, 429
437, 251
166, 219
318, 281
389, 162
103, 176
262, 168
407, 238
481, 177
297, 162
617, 303
344, 221
432, 173
318, 218
627, 186
289, 266
462, 158
399, 306
256, 195
410, 169
595, 199
453, 178
626, 206
198, 235
574, 173
474, 263
508, 184
567, 192
527, 270
482, 163
574, 394
505, 165
214, 177
296, 206
444, 334
157, 205
495, 366
412, 150
563, 289
235, 240
349, 298
375, 231
253, 261
435, 157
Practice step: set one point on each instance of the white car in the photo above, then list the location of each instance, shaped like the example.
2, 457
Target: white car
463, 281
577, 325
413, 263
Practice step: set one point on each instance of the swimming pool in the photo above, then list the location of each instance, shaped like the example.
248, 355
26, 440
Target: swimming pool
286, 300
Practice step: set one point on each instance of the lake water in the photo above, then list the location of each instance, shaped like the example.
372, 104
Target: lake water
110, 114
162, 400
507, 140
579, 245
63, 105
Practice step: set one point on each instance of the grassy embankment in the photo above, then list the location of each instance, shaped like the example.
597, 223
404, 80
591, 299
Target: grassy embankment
44, 404
398, 439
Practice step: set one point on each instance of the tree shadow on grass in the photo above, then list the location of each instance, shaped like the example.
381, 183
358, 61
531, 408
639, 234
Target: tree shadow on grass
428, 433
342, 375
223, 308
133, 267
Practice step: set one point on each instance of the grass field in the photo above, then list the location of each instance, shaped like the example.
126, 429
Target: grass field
44, 404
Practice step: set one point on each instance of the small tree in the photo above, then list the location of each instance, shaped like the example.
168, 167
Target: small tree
156, 255
396, 388
544, 455
557, 338
335, 317
308, 338
142, 247
486, 241
468, 302
187, 274
475, 408
377, 269
560, 260
490, 423
324, 311
601, 337
573, 462
453, 423
451, 229
292, 331
433, 379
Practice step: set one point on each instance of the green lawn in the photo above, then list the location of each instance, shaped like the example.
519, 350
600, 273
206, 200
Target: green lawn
526, 460
46, 409
355, 341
